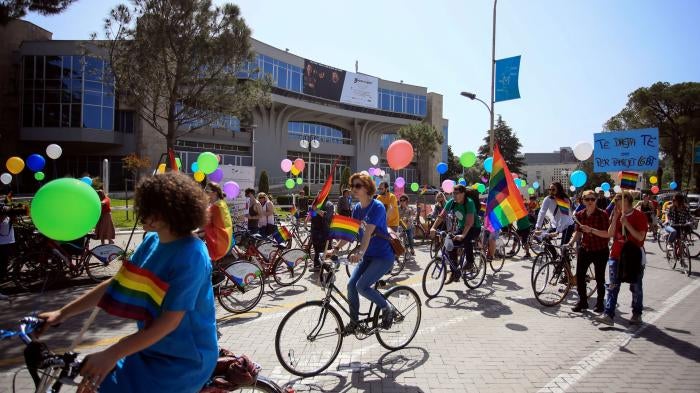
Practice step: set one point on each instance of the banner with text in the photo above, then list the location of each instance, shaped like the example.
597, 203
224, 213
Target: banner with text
360, 89
633, 150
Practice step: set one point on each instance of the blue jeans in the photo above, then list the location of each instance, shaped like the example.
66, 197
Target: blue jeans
367, 272
409, 236
613, 289
672, 234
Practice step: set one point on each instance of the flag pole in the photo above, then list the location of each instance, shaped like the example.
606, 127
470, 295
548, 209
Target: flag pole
493, 77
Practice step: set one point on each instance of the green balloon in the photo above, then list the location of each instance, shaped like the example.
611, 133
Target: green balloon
300, 180
65, 209
289, 183
531, 191
481, 188
178, 162
414, 187
39, 176
467, 159
207, 162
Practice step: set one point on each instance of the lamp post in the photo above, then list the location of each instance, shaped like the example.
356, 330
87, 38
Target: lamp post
472, 97
309, 142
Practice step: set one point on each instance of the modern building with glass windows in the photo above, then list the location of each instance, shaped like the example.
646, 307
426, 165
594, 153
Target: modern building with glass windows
60, 92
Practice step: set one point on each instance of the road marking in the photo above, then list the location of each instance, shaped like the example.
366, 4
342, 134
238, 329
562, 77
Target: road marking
564, 381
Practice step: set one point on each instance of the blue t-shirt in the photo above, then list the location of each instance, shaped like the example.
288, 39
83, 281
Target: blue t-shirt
374, 214
183, 360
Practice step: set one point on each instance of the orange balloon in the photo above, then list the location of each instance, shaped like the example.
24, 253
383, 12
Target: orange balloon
399, 154
299, 164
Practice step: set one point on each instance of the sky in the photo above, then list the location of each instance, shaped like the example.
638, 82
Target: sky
580, 59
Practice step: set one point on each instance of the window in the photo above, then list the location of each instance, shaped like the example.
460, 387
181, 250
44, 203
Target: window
124, 122
322, 132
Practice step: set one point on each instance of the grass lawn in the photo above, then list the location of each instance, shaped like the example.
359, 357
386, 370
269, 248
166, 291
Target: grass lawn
120, 221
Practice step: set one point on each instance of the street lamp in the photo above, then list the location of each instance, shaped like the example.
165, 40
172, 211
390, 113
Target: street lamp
309, 142
472, 97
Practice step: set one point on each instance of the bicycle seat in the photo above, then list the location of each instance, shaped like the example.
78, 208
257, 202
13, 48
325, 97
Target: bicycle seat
257, 236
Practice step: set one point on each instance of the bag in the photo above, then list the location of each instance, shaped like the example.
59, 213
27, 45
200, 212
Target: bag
630, 264
232, 372
394, 241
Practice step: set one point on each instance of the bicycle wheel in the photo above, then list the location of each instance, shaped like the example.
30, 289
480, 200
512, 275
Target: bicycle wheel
551, 284
661, 239
686, 260
399, 263
406, 303
540, 260
290, 266
36, 270
435, 244
309, 338
693, 242
103, 262
474, 277
242, 288
499, 258
535, 245
434, 277
262, 384
591, 283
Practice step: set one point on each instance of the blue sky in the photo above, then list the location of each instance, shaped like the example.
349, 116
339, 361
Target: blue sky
580, 59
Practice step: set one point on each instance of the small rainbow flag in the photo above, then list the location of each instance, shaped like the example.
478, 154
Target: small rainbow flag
628, 180
282, 234
135, 293
344, 228
293, 210
563, 205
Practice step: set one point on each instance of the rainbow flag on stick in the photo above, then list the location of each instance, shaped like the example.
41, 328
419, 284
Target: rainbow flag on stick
344, 228
282, 234
323, 194
135, 293
504, 204
628, 180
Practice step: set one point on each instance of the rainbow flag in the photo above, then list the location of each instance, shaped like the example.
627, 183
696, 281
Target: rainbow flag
628, 180
323, 194
282, 234
564, 205
293, 210
504, 204
135, 293
344, 228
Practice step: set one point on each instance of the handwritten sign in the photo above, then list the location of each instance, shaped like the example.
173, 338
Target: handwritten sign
633, 150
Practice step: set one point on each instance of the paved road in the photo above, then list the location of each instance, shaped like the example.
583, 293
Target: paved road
493, 339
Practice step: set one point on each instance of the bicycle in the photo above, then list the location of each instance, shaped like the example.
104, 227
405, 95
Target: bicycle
553, 281
286, 266
436, 272
680, 252
692, 239
310, 336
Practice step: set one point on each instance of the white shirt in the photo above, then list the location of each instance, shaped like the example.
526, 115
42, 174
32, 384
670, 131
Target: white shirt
562, 221
7, 232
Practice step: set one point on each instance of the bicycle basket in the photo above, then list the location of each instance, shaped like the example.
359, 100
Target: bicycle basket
233, 371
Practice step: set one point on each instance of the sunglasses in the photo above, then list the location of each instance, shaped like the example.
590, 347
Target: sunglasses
589, 199
403, 200
358, 185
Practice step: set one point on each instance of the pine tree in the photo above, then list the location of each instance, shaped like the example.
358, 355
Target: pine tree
264, 183
508, 143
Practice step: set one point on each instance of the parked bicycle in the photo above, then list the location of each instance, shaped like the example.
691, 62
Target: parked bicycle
435, 273
554, 279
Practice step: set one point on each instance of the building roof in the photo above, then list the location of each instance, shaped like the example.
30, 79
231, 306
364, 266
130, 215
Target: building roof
564, 156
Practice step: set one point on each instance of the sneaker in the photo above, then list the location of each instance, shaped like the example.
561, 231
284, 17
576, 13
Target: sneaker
454, 277
599, 308
527, 256
388, 317
580, 307
413, 252
350, 328
605, 319
636, 319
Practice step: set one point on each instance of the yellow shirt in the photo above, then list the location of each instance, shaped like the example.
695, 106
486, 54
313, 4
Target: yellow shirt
389, 200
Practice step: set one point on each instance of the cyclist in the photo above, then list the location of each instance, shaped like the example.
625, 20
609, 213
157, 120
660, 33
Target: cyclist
407, 216
375, 255
646, 207
166, 287
678, 214
558, 205
468, 228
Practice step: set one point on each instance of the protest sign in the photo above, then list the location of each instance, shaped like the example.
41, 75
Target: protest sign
633, 150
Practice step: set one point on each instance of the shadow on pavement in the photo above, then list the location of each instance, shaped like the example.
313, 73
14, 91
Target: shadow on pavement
682, 348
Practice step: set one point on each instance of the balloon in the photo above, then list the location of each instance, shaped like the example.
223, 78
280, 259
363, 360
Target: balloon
653, 180
617, 188
485, 179
597, 189
14, 165
5, 178
161, 168
462, 181
363, 172
441, 167
523, 183
607, 194
194, 167
531, 191
300, 180
448, 185
578, 178
605, 186
178, 162
207, 162
572, 188
536, 185
488, 164
481, 188
36, 162
199, 176
583, 150
65, 209
295, 171
673, 185
286, 165
399, 154
54, 151
299, 164
231, 189
39, 176
217, 175
400, 182
289, 183
374, 160
467, 159
398, 191
655, 189
87, 180
414, 187
373, 171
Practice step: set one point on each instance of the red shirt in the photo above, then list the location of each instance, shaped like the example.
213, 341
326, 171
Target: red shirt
638, 221
106, 205
597, 220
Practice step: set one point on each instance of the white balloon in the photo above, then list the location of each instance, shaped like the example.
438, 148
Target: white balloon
597, 189
583, 150
374, 160
5, 178
617, 188
572, 188
54, 151
365, 173
607, 194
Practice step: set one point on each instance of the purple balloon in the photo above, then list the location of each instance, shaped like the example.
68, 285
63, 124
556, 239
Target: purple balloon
485, 179
231, 189
217, 175
400, 182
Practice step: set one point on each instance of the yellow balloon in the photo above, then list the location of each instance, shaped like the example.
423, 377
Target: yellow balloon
14, 165
199, 176
653, 180
295, 171
161, 168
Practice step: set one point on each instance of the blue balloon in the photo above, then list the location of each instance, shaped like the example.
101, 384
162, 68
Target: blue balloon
488, 164
194, 167
578, 178
87, 180
605, 186
536, 185
441, 167
673, 185
36, 162
463, 182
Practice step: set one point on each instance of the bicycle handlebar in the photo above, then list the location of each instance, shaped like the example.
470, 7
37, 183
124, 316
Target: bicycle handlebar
27, 326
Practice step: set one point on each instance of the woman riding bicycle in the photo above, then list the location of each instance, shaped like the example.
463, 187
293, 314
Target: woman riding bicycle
375, 255
558, 205
468, 227
678, 215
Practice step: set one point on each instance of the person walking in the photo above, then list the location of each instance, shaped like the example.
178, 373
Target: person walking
104, 230
391, 205
266, 222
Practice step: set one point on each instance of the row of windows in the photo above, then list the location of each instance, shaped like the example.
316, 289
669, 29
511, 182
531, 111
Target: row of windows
399, 101
386, 140
323, 133
229, 122
188, 157
318, 166
214, 147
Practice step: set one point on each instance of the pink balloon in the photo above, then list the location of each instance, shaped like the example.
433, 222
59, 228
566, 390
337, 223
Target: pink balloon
399, 154
448, 186
398, 191
400, 182
217, 175
286, 165
299, 164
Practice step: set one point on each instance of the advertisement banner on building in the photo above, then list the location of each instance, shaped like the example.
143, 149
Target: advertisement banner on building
360, 89
323, 81
632, 150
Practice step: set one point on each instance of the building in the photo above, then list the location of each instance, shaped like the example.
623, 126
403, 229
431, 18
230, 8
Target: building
546, 168
58, 92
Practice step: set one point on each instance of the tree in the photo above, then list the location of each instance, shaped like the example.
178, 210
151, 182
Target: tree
16, 9
674, 110
594, 179
344, 180
176, 61
425, 139
454, 168
264, 183
508, 143
135, 164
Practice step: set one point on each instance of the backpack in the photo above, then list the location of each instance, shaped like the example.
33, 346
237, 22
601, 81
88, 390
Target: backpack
630, 264
231, 372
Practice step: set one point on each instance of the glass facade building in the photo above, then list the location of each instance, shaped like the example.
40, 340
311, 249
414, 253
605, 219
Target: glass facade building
322, 132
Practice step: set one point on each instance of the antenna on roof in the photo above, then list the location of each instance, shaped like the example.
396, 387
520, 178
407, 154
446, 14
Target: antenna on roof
356, 66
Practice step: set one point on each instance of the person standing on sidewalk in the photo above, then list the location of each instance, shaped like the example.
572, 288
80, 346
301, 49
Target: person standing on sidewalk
594, 249
635, 230
320, 227
254, 210
104, 230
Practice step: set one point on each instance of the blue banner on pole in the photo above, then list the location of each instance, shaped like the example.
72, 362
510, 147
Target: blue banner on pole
507, 71
697, 154
633, 150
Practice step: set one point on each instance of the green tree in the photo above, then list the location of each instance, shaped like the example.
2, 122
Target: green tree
176, 61
344, 180
264, 183
454, 168
16, 9
675, 111
508, 143
426, 140
594, 179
